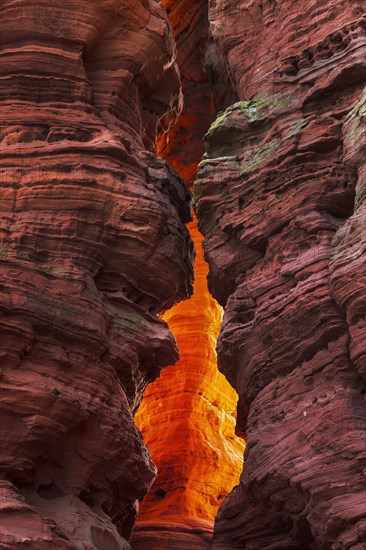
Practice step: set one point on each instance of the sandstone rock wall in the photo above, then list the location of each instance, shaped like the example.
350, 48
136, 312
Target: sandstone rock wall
93, 249
281, 205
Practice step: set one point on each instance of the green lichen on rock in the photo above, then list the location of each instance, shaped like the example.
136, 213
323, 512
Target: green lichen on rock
22, 254
244, 130
220, 120
294, 129
260, 157
254, 109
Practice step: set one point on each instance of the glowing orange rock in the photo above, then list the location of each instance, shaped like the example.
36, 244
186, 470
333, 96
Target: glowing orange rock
187, 416
187, 419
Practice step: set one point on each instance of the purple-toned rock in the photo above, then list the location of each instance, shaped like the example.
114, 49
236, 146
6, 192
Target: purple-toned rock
286, 247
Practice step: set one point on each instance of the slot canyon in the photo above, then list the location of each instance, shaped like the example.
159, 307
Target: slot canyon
183, 275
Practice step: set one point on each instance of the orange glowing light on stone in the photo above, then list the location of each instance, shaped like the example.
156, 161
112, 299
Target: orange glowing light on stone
187, 416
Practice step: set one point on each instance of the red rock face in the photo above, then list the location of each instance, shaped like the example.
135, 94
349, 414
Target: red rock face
94, 248
92, 222
282, 206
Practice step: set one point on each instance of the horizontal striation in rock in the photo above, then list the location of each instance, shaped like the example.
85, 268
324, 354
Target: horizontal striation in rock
285, 244
187, 534
91, 222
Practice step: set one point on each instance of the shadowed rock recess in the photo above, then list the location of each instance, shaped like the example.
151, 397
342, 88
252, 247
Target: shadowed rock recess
94, 249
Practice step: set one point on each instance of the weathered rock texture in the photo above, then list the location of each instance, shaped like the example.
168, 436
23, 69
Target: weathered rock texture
282, 206
93, 249
187, 417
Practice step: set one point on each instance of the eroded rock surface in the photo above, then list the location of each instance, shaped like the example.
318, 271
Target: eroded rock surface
281, 204
93, 248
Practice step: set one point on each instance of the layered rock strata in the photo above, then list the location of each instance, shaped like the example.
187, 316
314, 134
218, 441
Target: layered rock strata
188, 416
281, 204
93, 249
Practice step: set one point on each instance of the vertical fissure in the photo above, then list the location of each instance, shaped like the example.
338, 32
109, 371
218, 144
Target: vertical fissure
188, 415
